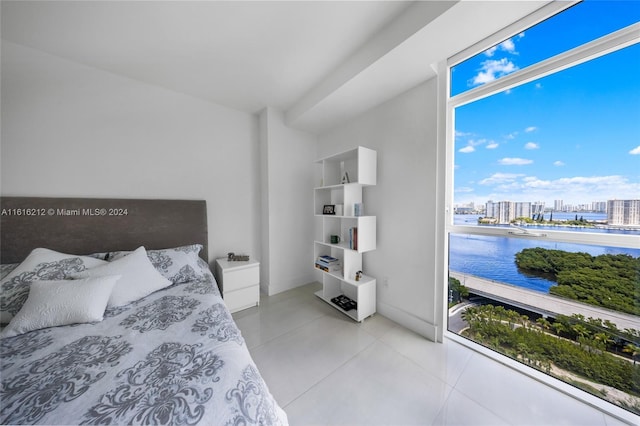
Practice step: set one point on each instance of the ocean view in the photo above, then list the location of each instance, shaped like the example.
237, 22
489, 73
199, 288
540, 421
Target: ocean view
493, 258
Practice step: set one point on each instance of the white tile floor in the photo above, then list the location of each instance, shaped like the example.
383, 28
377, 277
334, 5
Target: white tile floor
325, 369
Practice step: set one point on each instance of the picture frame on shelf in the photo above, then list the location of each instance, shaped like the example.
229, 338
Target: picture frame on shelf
329, 209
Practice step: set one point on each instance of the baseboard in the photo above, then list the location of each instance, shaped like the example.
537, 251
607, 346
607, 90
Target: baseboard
409, 321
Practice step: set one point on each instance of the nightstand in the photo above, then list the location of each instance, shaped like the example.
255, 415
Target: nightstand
240, 283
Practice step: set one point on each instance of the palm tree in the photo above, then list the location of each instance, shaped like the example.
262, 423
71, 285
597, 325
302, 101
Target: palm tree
581, 332
524, 320
512, 317
523, 350
559, 327
602, 340
543, 323
632, 349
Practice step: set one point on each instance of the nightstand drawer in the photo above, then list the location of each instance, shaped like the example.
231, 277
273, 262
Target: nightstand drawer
240, 278
242, 299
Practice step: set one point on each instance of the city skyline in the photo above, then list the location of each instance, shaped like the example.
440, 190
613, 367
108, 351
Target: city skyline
573, 135
557, 205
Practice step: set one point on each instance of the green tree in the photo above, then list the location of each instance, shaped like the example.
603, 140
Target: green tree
633, 350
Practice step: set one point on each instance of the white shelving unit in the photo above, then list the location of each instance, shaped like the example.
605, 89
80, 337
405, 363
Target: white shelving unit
360, 164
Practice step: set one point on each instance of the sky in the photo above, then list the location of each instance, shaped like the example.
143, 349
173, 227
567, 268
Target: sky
572, 136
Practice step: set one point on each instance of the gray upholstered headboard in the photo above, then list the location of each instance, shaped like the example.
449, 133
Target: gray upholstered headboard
91, 225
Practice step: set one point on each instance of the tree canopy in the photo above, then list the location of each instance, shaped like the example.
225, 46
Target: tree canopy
610, 280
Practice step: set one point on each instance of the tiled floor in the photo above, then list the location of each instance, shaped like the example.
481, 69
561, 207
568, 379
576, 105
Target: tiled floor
325, 369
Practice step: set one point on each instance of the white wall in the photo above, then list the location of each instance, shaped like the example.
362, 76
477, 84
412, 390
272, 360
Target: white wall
404, 132
72, 130
286, 157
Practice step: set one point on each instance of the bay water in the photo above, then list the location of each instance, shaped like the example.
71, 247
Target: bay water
493, 258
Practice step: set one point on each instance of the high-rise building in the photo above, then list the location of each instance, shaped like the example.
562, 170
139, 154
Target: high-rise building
506, 211
557, 205
537, 208
599, 206
623, 212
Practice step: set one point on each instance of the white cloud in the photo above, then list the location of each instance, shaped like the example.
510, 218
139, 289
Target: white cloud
635, 151
464, 189
493, 69
506, 46
592, 180
492, 145
467, 149
573, 190
507, 161
461, 134
500, 178
531, 145
558, 163
531, 129
538, 85
609, 185
491, 51
576, 189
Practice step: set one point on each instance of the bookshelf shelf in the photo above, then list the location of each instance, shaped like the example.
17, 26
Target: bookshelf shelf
356, 233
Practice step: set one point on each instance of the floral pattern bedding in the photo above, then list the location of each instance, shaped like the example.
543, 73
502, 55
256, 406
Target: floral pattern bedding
175, 357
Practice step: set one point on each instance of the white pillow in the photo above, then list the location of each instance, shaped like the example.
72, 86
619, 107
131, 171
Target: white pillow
53, 303
177, 264
41, 264
138, 277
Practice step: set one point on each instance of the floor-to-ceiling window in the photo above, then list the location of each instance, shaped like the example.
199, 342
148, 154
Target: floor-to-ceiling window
544, 225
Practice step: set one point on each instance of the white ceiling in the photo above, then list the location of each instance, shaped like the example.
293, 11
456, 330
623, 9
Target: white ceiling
319, 61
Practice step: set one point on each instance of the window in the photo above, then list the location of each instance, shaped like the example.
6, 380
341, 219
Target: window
587, 21
543, 237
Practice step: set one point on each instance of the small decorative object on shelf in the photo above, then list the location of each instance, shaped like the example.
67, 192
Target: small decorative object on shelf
358, 275
232, 257
358, 209
345, 303
345, 177
329, 209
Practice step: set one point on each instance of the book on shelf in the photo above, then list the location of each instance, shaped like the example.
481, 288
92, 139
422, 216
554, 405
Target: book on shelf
324, 262
358, 209
333, 264
353, 238
330, 268
328, 259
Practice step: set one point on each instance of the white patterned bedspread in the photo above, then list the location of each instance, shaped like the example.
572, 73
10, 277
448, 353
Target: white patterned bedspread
175, 357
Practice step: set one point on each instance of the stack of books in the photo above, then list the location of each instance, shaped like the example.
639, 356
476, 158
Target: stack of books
328, 264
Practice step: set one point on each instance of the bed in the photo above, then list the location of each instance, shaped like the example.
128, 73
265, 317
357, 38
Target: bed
80, 348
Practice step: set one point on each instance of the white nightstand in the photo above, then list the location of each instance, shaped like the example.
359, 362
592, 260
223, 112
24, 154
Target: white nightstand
240, 283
